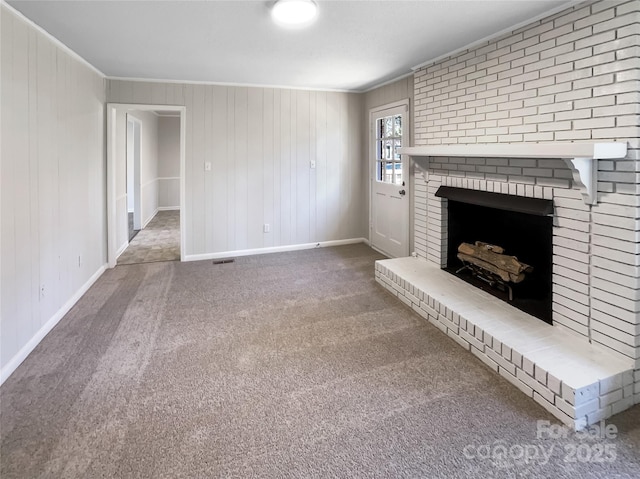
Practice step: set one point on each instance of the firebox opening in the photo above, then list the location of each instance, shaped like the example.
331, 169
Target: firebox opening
527, 237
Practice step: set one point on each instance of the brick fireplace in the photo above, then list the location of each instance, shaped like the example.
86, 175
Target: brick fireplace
571, 368
568, 79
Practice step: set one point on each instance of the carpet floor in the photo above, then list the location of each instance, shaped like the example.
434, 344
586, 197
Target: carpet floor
291, 365
158, 241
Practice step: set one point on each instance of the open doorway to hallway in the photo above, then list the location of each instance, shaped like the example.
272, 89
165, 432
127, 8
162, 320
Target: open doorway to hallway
145, 165
153, 186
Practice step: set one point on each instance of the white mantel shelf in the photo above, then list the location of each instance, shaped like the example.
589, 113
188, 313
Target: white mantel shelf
580, 157
600, 151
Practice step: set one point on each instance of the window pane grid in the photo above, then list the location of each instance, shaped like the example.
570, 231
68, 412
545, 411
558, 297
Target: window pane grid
388, 140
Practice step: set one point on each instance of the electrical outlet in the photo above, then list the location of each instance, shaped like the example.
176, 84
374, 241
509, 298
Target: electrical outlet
266, 228
207, 166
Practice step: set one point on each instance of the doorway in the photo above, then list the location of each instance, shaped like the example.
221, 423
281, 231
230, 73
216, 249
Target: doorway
134, 185
389, 202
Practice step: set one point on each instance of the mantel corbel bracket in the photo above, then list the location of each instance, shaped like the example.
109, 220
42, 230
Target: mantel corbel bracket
585, 175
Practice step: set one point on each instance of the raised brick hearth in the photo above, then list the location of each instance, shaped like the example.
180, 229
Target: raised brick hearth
570, 77
577, 382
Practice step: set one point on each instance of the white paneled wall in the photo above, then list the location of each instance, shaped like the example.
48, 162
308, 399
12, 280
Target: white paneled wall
168, 162
260, 143
391, 92
53, 221
148, 163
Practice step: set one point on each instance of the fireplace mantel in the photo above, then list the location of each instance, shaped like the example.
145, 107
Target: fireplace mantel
581, 158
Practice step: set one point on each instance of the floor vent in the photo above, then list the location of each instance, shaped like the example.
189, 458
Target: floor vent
224, 261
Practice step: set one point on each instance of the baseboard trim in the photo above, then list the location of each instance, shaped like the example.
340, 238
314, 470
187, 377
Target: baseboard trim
274, 249
168, 208
124, 246
8, 369
155, 212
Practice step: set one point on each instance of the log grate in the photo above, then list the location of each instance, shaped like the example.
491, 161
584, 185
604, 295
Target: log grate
486, 276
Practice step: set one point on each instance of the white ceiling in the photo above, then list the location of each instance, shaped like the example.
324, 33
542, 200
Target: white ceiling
353, 45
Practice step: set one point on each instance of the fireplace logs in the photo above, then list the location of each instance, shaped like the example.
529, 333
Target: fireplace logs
492, 259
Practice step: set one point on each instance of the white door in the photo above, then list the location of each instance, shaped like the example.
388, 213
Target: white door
389, 181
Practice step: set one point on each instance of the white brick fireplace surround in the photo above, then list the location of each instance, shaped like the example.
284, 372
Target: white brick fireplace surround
572, 77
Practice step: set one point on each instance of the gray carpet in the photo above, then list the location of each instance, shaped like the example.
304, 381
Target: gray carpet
158, 241
288, 365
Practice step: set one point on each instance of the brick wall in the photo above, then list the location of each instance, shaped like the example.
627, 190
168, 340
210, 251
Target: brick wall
574, 76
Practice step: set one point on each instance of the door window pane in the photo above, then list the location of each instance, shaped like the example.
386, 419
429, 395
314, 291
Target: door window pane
398, 126
388, 140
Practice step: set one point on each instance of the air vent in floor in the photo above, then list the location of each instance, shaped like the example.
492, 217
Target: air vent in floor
224, 261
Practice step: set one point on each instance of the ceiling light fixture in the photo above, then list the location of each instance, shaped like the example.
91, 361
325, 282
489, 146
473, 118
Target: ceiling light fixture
294, 13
